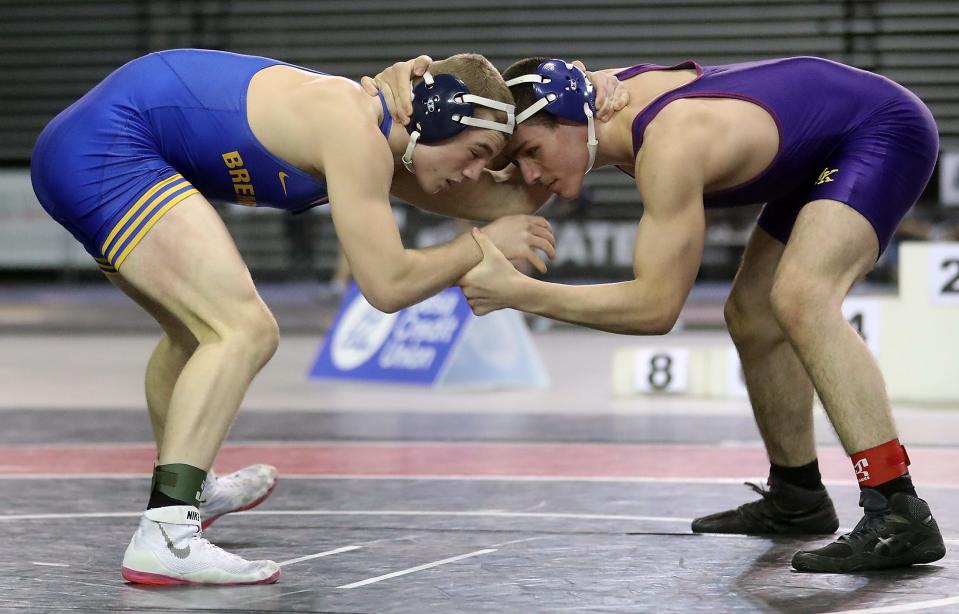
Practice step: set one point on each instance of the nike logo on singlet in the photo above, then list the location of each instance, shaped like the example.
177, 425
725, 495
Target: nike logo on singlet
283, 177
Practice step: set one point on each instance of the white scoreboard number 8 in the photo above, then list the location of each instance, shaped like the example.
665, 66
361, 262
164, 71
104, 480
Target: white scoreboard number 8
661, 370
660, 376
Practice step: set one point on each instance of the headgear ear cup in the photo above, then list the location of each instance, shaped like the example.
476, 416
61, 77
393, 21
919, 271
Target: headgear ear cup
437, 107
562, 90
443, 107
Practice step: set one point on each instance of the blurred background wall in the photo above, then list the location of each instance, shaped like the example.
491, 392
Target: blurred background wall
51, 52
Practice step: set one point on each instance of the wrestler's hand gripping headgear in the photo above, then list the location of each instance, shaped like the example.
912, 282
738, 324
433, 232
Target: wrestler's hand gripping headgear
562, 90
443, 107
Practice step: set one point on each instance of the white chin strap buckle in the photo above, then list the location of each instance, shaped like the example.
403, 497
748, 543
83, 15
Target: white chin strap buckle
408, 154
591, 143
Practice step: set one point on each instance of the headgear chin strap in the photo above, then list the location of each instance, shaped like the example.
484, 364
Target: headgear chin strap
562, 90
443, 107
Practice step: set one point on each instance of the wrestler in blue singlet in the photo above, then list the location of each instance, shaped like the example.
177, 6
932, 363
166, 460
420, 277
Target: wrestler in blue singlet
844, 134
155, 131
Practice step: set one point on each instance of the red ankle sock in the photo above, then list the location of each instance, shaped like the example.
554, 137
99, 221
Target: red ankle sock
880, 464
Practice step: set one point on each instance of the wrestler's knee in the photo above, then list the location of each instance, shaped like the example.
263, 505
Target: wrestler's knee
800, 303
257, 330
749, 317
249, 333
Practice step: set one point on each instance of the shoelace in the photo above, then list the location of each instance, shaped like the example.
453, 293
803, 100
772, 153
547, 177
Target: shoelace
232, 481
870, 526
206, 544
219, 483
755, 511
765, 494
235, 481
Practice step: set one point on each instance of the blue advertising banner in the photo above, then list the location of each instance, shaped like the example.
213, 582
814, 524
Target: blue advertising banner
410, 346
438, 342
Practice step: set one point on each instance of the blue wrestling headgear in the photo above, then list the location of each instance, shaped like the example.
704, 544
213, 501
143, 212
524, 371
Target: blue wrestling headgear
443, 107
562, 90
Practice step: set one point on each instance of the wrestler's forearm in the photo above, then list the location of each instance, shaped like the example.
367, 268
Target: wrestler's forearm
424, 272
626, 308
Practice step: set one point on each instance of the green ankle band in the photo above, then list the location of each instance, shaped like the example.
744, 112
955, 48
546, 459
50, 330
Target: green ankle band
179, 481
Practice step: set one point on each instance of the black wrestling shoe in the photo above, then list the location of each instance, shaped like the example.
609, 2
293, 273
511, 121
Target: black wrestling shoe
895, 532
784, 510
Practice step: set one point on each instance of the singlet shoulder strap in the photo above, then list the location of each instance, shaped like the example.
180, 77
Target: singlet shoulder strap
638, 69
645, 116
387, 122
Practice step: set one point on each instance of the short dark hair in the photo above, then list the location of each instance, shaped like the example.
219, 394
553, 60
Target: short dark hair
523, 92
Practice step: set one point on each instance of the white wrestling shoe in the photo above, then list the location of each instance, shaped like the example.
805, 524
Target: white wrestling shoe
168, 548
235, 492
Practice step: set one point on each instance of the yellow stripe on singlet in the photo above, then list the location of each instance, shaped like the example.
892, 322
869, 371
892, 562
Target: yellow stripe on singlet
104, 265
136, 206
144, 212
143, 232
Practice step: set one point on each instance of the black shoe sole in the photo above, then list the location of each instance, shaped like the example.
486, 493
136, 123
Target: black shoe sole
701, 531
740, 530
812, 563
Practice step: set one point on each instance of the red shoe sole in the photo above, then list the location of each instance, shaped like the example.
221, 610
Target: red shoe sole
142, 577
209, 521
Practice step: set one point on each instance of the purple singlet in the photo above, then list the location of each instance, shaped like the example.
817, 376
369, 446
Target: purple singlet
844, 134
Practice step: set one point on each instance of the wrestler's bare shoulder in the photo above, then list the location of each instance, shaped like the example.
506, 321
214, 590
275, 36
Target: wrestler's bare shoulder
740, 138
288, 109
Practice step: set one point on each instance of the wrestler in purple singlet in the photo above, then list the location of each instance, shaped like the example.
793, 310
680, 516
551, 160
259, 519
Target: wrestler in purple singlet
844, 134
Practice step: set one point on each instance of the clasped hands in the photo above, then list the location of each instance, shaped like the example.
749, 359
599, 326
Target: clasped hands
507, 244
